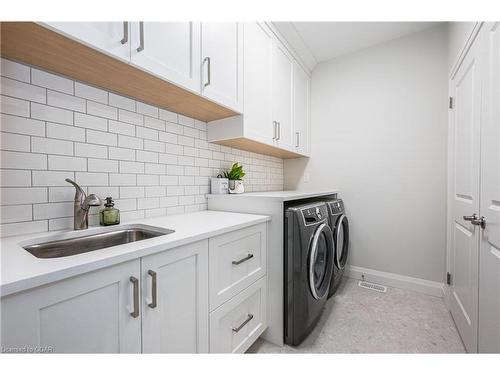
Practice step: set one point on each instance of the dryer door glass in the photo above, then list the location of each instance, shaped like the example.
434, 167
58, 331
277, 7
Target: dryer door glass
321, 261
341, 242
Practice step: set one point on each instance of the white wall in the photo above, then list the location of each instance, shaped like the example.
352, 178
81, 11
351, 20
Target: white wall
458, 34
152, 161
379, 134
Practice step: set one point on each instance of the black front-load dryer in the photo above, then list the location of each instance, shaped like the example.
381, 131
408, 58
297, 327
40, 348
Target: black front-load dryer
308, 268
340, 230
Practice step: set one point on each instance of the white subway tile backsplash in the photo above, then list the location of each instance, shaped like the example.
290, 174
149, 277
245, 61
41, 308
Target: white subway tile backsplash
13, 214
147, 109
151, 161
88, 150
102, 110
121, 102
51, 146
91, 93
51, 178
22, 160
21, 90
91, 122
15, 142
14, 70
66, 132
53, 114
51, 81
17, 195
14, 177
130, 117
67, 163
13, 106
58, 99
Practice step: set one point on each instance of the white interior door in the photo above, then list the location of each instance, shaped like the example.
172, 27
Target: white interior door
175, 315
465, 88
489, 269
283, 95
258, 48
170, 50
110, 37
222, 63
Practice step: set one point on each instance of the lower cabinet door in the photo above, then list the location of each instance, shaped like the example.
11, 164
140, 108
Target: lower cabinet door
91, 313
239, 322
175, 300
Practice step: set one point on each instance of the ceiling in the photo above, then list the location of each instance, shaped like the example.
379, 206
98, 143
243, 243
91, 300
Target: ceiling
315, 42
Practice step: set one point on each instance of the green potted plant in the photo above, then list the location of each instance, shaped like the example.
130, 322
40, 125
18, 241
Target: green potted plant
235, 177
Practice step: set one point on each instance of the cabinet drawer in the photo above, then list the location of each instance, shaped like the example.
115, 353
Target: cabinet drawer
239, 322
236, 260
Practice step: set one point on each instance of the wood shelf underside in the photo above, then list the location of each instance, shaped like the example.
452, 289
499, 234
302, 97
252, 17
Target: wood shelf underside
35, 45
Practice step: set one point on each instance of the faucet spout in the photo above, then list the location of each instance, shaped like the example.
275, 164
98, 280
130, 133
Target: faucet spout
82, 205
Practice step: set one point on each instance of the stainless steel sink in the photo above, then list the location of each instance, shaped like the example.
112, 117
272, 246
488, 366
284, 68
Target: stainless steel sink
63, 247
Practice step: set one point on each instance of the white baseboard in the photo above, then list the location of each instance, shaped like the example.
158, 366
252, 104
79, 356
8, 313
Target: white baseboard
395, 280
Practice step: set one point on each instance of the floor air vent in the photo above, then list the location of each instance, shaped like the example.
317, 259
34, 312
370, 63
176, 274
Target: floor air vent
372, 286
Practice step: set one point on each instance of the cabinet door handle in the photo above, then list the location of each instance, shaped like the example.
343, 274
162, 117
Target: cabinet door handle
274, 129
141, 37
125, 33
154, 292
297, 143
279, 130
237, 329
207, 60
135, 283
236, 262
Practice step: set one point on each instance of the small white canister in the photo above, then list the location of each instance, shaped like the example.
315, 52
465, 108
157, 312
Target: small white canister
219, 185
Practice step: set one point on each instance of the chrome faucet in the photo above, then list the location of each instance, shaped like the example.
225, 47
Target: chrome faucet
82, 205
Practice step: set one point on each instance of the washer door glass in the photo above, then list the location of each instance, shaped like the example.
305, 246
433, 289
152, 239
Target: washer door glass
341, 242
321, 261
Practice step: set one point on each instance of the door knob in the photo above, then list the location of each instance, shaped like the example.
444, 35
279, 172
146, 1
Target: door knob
471, 217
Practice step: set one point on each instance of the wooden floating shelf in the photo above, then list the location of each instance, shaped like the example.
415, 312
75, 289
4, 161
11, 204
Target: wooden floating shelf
261, 148
35, 45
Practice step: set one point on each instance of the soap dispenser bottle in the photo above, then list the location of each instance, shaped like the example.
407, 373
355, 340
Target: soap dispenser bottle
109, 215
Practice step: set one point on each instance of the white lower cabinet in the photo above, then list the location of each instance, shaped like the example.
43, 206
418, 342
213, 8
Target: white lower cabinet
155, 304
91, 313
239, 322
175, 300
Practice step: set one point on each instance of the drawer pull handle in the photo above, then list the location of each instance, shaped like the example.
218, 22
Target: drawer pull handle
135, 283
236, 262
237, 329
154, 292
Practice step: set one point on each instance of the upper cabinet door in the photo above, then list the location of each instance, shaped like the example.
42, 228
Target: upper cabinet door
258, 51
282, 70
170, 50
222, 63
175, 300
109, 37
301, 113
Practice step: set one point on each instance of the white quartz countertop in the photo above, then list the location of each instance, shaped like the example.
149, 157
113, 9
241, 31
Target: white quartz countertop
284, 195
22, 270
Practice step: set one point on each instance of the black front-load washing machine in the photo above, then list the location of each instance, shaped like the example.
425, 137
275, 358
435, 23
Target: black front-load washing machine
309, 264
340, 229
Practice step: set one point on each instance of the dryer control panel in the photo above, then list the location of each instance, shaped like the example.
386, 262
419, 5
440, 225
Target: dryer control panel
314, 214
336, 206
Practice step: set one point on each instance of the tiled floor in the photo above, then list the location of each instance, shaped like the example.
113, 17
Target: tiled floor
358, 320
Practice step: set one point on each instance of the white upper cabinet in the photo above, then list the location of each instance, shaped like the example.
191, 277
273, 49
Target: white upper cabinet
170, 50
301, 105
222, 63
109, 37
258, 113
282, 68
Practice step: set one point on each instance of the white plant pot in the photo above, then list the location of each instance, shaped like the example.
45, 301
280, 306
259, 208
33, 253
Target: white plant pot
236, 187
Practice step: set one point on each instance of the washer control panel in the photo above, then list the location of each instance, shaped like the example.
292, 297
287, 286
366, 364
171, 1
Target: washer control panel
314, 214
336, 206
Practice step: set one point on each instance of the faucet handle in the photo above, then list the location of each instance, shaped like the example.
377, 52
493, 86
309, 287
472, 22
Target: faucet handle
91, 200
